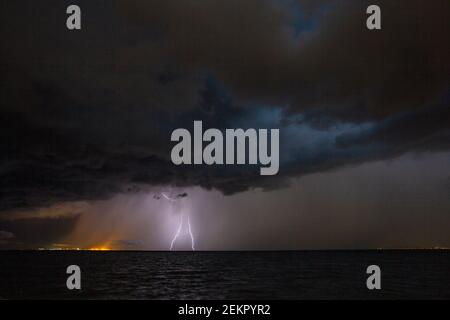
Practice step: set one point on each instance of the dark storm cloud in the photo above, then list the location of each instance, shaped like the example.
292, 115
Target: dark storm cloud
447, 183
336, 65
37, 231
88, 114
426, 130
5, 238
6, 235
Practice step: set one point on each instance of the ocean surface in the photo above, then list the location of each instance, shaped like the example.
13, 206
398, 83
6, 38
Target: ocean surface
409, 274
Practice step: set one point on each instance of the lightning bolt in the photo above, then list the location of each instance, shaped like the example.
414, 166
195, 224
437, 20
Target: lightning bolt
167, 198
176, 234
190, 234
180, 226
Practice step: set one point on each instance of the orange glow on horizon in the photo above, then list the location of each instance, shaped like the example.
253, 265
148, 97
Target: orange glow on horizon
101, 248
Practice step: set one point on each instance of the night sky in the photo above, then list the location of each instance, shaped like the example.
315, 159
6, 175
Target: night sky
86, 118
